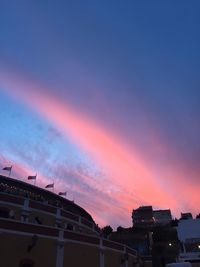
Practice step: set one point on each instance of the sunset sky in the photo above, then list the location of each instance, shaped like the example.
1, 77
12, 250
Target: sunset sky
103, 98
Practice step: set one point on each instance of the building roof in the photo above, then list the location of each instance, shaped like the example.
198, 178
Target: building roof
32, 191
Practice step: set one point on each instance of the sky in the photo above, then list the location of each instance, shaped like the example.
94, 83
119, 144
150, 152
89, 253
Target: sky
102, 98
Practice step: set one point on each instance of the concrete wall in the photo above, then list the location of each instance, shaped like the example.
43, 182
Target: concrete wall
13, 248
75, 249
188, 229
76, 255
45, 218
37, 209
113, 258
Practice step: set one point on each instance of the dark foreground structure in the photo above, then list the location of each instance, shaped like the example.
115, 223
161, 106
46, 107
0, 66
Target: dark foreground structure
39, 228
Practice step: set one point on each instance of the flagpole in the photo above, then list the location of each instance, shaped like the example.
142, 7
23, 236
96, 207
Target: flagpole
50, 186
35, 179
64, 194
32, 177
10, 171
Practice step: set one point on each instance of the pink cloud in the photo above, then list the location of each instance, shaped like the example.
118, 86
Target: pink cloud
130, 181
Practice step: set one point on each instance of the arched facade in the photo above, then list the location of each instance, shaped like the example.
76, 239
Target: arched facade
42, 229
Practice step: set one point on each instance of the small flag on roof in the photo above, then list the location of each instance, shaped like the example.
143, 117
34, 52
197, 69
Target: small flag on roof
32, 177
49, 186
62, 193
7, 169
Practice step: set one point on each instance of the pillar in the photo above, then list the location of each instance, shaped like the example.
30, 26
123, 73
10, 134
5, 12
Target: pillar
60, 250
102, 256
25, 211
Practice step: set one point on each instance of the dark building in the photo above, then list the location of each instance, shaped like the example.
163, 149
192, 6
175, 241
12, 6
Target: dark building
137, 238
186, 216
166, 245
162, 217
143, 216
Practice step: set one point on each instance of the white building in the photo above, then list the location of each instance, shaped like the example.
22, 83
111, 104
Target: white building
189, 235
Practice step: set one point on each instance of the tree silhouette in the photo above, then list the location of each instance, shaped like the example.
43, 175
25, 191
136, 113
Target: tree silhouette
107, 230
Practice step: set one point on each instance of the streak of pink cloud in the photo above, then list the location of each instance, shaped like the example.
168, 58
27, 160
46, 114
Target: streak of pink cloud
125, 167
74, 192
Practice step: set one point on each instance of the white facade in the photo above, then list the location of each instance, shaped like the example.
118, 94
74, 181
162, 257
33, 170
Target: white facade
188, 229
189, 235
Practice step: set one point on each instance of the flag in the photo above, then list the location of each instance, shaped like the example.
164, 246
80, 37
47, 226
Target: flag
7, 169
32, 177
49, 186
62, 193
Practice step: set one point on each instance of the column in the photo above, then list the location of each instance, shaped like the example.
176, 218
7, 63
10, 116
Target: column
58, 217
101, 251
60, 250
125, 257
25, 211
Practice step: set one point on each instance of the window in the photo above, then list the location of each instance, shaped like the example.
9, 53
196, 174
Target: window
70, 227
4, 212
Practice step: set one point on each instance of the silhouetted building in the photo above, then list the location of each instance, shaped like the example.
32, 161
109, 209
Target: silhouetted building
186, 216
165, 245
138, 238
162, 217
143, 216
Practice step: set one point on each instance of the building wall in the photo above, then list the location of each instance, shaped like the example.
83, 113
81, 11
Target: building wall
49, 244
55, 247
113, 258
16, 209
76, 255
45, 219
45, 213
143, 216
188, 229
13, 249
162, 216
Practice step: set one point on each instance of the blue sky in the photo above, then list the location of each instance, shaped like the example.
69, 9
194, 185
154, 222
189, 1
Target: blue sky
131, 68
